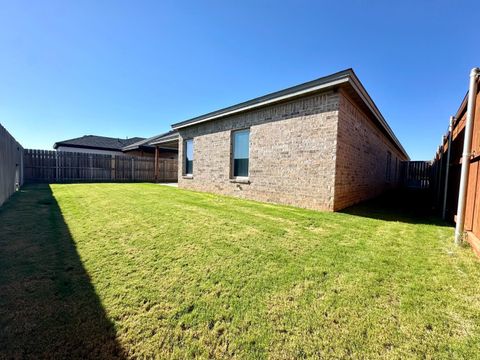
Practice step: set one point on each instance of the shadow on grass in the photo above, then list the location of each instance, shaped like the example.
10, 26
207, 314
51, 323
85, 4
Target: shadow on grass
48, 306
404, 205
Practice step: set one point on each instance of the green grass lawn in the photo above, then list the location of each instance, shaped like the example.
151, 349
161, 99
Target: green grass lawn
142, 270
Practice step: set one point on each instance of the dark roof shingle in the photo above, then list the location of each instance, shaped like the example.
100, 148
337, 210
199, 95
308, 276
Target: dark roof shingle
98, 142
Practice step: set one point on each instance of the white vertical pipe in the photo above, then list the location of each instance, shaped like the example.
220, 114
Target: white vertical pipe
447, 169
467, 148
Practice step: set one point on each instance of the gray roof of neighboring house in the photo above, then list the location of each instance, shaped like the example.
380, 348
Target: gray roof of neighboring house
346, 79
98, 142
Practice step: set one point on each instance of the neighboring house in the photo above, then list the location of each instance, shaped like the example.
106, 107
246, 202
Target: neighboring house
96, 144
135, 146
320, 145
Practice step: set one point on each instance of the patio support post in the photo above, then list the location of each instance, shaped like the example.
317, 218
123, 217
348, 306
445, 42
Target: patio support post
467, 148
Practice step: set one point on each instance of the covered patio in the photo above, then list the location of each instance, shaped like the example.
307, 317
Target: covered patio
165, 145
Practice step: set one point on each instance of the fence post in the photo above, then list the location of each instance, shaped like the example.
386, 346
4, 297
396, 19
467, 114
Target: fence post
133, 169
112, 172
56, 166
447, 169
22, 167
156, 164
90, 165
164, 172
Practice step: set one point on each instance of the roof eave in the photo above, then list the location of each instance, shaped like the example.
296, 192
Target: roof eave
362, 92
165, 140
341, 79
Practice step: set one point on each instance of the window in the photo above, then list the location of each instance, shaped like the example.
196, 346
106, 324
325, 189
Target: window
241, 149
188, 157
389, 167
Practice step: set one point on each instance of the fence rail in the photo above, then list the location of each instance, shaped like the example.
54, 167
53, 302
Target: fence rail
61, 166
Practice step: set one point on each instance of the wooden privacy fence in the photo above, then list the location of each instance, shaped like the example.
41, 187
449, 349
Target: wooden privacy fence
61, 166
416, 174
11, 169
447, 195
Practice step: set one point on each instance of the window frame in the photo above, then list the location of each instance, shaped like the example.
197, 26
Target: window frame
232, 155
184, 172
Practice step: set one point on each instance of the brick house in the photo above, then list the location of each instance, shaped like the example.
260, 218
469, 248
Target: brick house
320, 145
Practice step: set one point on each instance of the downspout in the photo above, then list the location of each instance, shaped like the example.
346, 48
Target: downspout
467, 148
450, 129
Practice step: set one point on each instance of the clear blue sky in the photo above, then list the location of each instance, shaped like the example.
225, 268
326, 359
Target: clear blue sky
132, 68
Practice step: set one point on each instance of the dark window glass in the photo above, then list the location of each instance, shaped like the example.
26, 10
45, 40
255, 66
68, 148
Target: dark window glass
241, 147
189, 157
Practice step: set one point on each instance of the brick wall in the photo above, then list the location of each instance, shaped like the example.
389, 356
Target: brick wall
292, 153
320, 152
361, 168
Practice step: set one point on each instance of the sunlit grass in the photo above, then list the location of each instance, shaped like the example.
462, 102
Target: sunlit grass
183, 274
